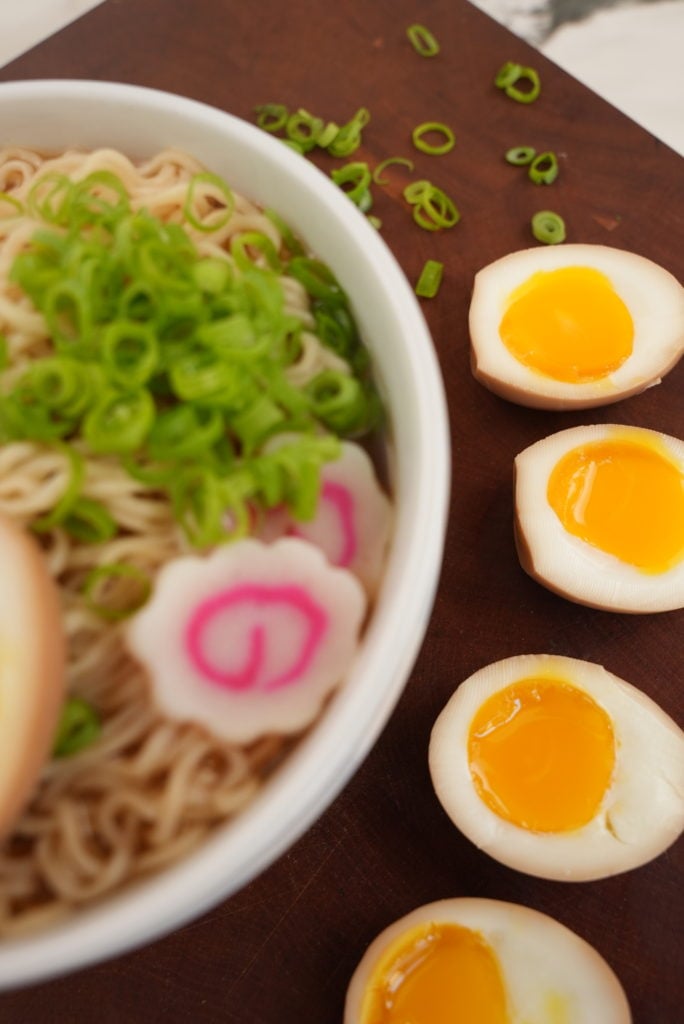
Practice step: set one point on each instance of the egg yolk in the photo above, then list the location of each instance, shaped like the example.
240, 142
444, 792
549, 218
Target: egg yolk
541, 754
436, 974
568, 324
625, 498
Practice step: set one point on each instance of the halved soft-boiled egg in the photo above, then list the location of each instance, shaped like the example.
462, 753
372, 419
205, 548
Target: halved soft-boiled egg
32, 657
558, 768
574, 326
599, 516
481, 961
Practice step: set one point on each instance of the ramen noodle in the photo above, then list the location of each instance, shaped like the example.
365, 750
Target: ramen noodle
148, 788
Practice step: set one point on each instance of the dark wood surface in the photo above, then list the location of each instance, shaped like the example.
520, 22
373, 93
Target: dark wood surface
283, 949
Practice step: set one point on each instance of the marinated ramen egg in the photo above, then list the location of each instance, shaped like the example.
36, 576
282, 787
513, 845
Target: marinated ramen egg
557, 768
574, 326
599, 516
480, 961
31, 668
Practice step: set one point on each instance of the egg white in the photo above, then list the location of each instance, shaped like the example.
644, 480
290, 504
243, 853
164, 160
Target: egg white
569, 565
543, 963
653, 296
643, 809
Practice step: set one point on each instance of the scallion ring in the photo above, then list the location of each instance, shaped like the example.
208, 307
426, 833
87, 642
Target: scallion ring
218, 218
304, 129
416, 190
119, 422
508, 77
130, 352
271, 116
89, 521
348, 138
433, 209
507, 74
79, 726
16, 208
327, 134
433, 127
116, 590
422, 40
377, 173
520, 156
544, 168
69, 495
548, 227
357, 175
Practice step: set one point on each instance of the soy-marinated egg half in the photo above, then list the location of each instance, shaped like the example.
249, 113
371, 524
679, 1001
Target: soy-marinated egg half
599, 516
557, 768
480, 961
574, 326
32, 673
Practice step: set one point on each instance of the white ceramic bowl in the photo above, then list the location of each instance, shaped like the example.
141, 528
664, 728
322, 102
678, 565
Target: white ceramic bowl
54, 115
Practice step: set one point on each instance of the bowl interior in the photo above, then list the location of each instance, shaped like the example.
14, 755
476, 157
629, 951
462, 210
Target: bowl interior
56, 115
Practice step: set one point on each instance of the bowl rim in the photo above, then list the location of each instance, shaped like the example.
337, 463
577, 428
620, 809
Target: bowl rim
153, 906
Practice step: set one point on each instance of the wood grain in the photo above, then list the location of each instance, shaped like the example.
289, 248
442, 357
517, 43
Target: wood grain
283, 949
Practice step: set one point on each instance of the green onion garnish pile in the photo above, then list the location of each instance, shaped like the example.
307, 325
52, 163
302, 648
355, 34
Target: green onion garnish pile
176, 364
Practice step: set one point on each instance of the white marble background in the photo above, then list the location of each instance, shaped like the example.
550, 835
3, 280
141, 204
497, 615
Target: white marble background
27, 22
628, 52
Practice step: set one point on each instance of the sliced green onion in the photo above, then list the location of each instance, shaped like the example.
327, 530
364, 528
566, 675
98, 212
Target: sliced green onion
207, 178
415, 191
548, 227
544, 168
79, 726
304, 129
240, 245
173, 363
16, 208
69, 496
271, 116
119, 422
519, 156
365, 201
422, 40
50, 198
89, 521
212, 275
375, 222
348, 138
377, 173
86, 205
433, 127
130, 353
338, 401
117, 590
327, 134
199, 505
290, 241
357, 175
508, 77
68, 312
317, 278
430, 279
184, 431
433, 209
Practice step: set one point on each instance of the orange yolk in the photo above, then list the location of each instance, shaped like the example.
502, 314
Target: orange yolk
541, 754
625, 498
568, 324
436, 974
